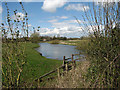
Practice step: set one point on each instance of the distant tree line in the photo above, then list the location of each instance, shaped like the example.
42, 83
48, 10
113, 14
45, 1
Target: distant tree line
35, 37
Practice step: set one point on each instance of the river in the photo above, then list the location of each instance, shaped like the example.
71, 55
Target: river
57, 51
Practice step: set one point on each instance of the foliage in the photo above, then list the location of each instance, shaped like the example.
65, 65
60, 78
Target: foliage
34, 37
105, 53
82, 45
104, 47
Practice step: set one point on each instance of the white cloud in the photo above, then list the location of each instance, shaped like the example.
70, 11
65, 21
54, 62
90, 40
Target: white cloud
56, 18
25, 0
109, 4
51, 6
18, 16
29, 25
59, 17
1, 9
53, 20
67, 28
63, 17
19, 0
77, 7
72, 31
66, 23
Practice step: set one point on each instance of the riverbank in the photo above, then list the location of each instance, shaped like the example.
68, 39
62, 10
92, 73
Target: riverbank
36, 65
80, 44
67, 42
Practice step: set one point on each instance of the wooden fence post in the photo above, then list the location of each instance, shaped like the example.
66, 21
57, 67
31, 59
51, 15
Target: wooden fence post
63, 60
72, 57
66, 67
58, 73
72, 61
38, 83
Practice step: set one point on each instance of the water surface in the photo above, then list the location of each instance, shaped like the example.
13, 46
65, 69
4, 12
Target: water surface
57, 51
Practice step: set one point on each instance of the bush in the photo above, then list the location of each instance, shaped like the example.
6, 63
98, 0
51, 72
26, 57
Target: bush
82, 45
105, 53
104, 47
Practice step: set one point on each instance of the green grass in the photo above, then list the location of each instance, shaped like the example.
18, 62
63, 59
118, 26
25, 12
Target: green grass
36, 65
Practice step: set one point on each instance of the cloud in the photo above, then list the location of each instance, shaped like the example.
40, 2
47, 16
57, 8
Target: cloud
68, 28
29, 25
52, 21
25, 0
19, 0
63, 17
103, 4
18, 16
67, 23
77, 7
59, 17
56, 18
51, 6
1, 9
63, 31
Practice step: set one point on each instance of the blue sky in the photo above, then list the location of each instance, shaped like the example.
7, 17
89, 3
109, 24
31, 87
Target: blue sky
53, 17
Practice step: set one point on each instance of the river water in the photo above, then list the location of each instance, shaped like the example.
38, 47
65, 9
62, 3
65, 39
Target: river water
57, 51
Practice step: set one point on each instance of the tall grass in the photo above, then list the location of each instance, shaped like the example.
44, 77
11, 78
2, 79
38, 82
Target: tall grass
75, 78
13, 57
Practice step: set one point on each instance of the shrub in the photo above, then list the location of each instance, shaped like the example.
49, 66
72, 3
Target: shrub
104, 46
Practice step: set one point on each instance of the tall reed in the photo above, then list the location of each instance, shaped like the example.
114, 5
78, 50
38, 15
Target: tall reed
13, 55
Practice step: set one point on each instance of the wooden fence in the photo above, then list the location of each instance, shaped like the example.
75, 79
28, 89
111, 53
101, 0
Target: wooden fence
64, 68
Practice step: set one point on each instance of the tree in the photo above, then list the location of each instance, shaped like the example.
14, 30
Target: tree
35, 37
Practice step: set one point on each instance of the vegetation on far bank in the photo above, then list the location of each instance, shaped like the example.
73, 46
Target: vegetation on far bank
54, 42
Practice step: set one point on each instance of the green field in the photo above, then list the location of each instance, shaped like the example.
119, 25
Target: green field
36, 65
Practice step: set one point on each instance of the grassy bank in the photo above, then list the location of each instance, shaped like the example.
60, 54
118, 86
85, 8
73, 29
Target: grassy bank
36, 65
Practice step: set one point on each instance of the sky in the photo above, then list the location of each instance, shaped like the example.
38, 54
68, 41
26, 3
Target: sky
54, 18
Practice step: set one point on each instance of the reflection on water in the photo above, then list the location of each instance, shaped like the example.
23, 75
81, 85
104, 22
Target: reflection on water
57, 51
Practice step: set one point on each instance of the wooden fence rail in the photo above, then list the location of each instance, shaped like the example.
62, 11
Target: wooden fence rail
65, 67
